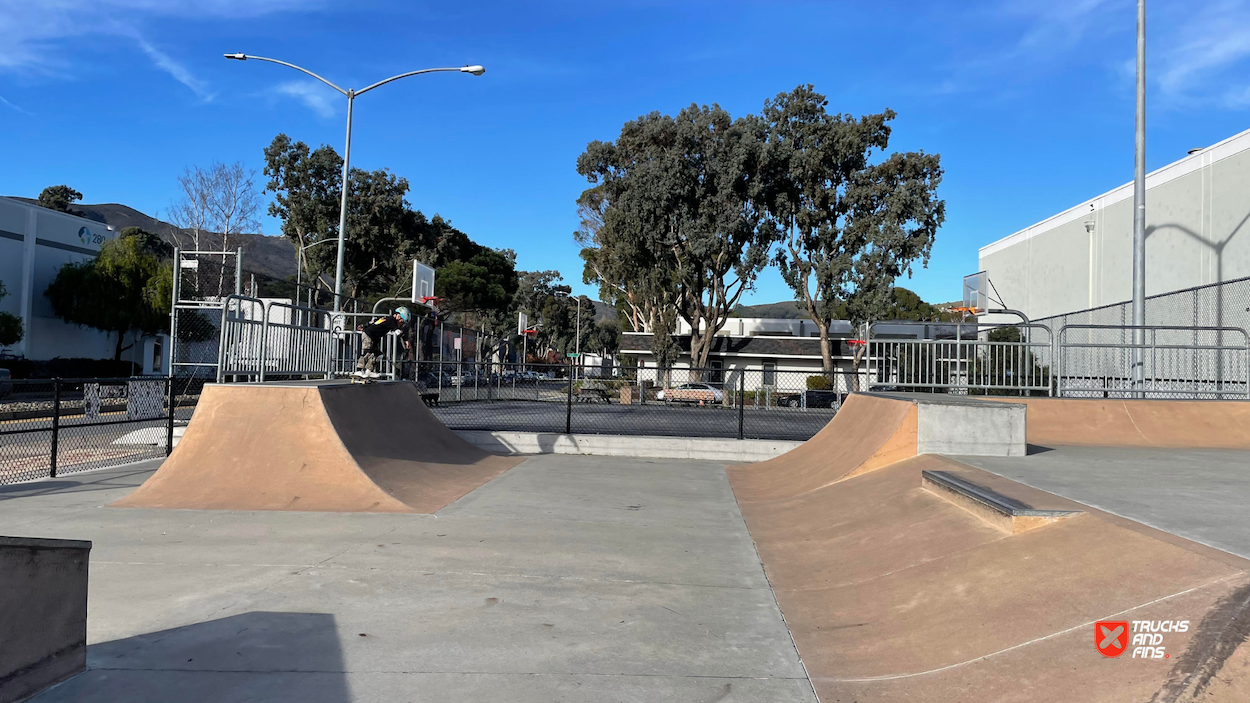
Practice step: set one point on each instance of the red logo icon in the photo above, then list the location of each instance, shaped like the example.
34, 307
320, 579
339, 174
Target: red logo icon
1111, 637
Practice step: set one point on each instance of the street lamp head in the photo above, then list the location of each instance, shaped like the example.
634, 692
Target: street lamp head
237, 57
475, 70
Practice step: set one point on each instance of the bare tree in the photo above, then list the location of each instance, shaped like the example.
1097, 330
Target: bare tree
217, 203
190, 213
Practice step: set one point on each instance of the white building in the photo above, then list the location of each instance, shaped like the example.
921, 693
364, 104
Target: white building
34, 244
1197, 233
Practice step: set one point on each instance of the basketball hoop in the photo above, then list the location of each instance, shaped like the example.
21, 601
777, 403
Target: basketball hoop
964, 312
530, 332
856, 342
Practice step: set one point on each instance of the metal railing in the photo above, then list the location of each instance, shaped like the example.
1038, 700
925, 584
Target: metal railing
265, 339
996, 359
1096, 361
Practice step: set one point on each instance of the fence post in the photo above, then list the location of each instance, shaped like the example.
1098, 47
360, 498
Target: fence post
568, 406
742, 400
56, 422
169, 425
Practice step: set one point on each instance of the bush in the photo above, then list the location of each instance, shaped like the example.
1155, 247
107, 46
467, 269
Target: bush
819, 383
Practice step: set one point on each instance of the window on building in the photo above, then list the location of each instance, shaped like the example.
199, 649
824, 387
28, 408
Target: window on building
770, 373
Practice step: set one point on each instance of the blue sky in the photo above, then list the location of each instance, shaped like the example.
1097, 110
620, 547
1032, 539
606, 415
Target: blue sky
1029, 103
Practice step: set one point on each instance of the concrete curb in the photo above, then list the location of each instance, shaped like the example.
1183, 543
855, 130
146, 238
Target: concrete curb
645, 447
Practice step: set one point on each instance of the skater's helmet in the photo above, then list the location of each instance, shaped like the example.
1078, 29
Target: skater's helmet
404, 313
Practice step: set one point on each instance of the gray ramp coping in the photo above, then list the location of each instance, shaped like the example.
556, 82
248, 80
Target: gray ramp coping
999, 503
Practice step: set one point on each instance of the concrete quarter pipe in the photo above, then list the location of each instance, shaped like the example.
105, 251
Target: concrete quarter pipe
316, 446
894, 593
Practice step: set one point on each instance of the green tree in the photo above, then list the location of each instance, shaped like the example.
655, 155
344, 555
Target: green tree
123, 289
847, 226
384, 234
59, 198
11, 331
680, 225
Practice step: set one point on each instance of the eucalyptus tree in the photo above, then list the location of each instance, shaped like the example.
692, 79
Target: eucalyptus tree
847, 223
679, 227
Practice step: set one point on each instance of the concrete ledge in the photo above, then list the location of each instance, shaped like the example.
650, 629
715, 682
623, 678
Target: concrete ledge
962, 425
647, 447
43, 613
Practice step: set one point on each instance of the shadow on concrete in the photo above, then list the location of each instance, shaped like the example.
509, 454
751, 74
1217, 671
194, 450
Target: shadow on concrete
88, 482
1036, 449
257, 656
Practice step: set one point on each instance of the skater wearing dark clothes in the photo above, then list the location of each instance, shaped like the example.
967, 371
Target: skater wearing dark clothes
371, 340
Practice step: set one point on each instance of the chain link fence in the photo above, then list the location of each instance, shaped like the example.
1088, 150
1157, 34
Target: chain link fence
51, 427
627, 400
1193, 346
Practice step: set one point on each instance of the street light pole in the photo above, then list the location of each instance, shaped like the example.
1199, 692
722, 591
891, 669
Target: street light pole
350, 94
580, 369
1139, 210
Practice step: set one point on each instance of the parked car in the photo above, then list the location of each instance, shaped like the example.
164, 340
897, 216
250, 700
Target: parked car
6, 382
691, 393
815, 399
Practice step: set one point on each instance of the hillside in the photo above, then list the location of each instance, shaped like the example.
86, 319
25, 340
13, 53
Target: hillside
785, 310
269, 256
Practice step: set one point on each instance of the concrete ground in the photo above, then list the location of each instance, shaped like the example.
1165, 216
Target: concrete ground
1200, 494
565, 579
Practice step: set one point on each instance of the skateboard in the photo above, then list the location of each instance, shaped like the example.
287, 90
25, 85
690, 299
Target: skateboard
361, 379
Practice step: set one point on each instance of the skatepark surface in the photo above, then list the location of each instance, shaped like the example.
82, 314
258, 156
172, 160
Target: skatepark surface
564, 579
316, 445
861, 566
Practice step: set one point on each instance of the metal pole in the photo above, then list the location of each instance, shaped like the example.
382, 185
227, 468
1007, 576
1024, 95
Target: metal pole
568, 407
238, 272
742, 397
173, 310
1139, 207
169, 426
347, 157
56, 423
579, 335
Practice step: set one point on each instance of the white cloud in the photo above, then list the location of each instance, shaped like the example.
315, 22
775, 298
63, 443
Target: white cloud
1198, 53
14, 107
175, 69
39, 33
320, 98
1204, 55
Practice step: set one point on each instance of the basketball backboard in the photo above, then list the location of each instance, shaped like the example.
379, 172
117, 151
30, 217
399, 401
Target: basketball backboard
422, 281
977, 293
522, 323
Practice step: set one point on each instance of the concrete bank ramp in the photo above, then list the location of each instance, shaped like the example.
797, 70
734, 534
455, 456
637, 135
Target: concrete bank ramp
894, 593
896, 589
318, 446
1189, 424
873, 430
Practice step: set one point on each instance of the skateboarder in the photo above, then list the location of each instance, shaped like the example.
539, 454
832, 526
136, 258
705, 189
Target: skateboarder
371, 340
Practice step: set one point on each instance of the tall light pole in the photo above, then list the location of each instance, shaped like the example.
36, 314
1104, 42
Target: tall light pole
350, 94
1139, 210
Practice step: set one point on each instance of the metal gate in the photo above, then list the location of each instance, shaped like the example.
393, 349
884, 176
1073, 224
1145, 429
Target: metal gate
202, 282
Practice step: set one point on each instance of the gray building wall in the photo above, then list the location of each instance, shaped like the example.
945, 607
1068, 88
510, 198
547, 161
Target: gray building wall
1197, 212
34, 244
